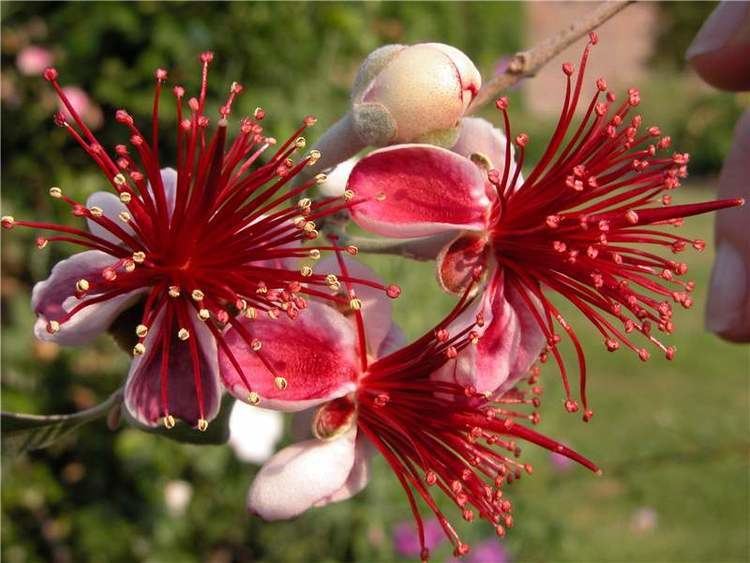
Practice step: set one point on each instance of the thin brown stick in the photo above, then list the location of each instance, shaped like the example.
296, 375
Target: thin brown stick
527, 63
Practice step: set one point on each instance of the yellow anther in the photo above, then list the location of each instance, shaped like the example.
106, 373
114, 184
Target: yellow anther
304, 202
273, 314
262, 290
124, 216
348, 195
251, 313
312, 235
315, 254
331, 279
309, 226
197, 295
119, 179
96, 211
53, 327
41, 243
139, 257
202, 424
125, 197
313, 157
253, 398
256, 345
258, 113
55, 192
241, 304
141, 331
204, 314
299, 222
306, 271
82, 285
174, 291
139, 349
300, 142
320, 178
380, 197
355, 303
183, 334
129, 266
280, 383
168, 422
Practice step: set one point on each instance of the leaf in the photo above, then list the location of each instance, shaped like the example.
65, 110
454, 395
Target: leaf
217, 432
25, 432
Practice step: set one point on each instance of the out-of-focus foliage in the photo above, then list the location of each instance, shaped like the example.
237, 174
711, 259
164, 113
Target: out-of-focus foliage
670, 436
678, 24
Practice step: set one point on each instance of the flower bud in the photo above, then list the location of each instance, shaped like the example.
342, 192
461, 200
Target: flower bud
413, 93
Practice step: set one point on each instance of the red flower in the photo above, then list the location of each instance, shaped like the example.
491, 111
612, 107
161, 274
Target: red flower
379, 395
203, 243
587, 223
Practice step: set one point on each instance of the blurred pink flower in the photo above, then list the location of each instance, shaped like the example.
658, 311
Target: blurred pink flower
644, 520
406, 539
32, 60
90, 112
487, 551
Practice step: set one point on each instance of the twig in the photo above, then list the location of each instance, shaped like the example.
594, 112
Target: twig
527, 63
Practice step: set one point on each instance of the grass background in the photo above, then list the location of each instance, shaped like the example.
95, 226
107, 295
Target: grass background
672, 437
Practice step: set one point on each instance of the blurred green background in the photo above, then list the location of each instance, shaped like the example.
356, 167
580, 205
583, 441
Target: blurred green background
672, 437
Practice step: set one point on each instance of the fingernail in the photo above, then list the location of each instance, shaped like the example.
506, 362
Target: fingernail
727, 291
725, 21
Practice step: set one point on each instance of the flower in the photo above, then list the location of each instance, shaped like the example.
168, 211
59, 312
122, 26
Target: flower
195, 247
575, 226
89, 112
487, 551
177, 496
406, 538
375, 394
32, 60
256, 445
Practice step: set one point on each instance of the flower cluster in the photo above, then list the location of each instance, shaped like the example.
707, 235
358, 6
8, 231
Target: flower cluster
216, 255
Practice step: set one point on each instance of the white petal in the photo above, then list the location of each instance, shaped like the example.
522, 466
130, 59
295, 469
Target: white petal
254, 432
301, 475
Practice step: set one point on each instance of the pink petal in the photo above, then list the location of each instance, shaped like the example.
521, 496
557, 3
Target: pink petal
394, 340
52, 298
316, 353
298, 477
510, 342
359, 475
111, 205
479, 136
143, 387
457, 261
377, 308
417, 190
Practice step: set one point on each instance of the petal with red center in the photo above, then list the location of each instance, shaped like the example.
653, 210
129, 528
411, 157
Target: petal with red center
478, 136
377, 310
53, 298
458, 260
143, 389
417, 190
315, 354
301, 475
510, 341
358, 477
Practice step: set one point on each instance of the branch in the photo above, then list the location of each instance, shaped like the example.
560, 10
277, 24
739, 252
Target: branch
527, 63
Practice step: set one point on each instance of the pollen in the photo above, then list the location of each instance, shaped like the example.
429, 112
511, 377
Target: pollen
53, 327
313, 157
82, 285
253, 398
174, 291
256, 345
139, 257
183, 334
124, 216
139, 349
355, 304
204, 314
250, 313
125, 197
96, 211
280, 383
315, 254
304, 203
169, 422
55, 192
119, 179
41, 242
197, 295
306, 271
300, 142
141, 330
202, 424
321, 178
348, 195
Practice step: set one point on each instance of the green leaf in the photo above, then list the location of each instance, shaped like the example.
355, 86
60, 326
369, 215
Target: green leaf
217, 432
25, 432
